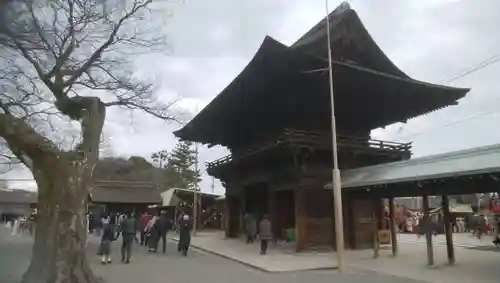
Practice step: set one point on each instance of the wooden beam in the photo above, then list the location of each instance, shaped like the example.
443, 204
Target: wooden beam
428, 233
375, 220
448, 230
299, 219
393, 226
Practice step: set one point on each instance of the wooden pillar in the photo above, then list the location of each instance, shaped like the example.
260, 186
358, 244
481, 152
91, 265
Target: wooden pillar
393, 226
448, 230
227, 216
299, 220
428, 233
243, 209
348, 222
271, 210
375, 220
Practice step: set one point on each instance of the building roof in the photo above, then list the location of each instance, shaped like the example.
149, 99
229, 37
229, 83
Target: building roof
18, 197
361, 48
480, 160
173, 196
125, 192
282, 84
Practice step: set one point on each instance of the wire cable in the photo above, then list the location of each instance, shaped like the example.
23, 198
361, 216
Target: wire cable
450, 124
479, 66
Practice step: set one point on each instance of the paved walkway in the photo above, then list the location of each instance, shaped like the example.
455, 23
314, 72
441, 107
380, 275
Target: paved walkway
462, 240
473, 265
195, 268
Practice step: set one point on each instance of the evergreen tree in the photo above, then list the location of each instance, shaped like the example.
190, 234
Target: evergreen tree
160, 158
179, 166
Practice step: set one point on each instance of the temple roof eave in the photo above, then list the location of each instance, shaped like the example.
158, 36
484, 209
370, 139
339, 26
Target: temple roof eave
272, 55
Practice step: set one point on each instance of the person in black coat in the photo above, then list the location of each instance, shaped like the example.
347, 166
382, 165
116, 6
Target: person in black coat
108, 236
163, 225
185, 227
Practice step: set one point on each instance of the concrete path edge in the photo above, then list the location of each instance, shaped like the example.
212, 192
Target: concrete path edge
196, 247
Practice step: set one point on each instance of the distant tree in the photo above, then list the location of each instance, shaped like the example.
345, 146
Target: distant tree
134, 169
160, 157
179, 170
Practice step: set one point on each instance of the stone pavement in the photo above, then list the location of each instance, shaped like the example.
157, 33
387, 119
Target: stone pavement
280, 258
195, 268
462, 240
473, 265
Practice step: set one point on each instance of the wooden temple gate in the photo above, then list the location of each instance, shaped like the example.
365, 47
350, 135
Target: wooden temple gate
275, 118
292, 191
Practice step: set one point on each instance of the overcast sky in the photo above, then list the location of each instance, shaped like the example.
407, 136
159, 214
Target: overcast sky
430, 40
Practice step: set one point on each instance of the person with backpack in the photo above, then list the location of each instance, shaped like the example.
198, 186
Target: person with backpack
163, 225
108, 236
128, 230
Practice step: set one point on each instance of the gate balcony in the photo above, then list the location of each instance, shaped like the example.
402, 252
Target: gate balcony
319, 141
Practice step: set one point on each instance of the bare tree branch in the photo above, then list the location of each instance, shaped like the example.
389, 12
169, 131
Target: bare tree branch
74, 48
27, 145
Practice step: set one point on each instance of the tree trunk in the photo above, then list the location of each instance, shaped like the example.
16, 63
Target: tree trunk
59, 254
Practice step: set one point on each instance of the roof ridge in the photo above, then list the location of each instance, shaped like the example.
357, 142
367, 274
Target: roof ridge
342, 8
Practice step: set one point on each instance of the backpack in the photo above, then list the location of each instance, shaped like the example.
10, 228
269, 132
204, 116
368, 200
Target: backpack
163, 224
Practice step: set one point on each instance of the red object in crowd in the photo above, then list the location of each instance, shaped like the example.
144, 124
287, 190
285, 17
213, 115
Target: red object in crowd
495, 205
144, 220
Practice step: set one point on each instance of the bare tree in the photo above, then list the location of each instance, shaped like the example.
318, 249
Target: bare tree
66, 61
7, 159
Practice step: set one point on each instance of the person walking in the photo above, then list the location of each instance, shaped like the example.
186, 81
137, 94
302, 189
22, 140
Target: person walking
185, 227
250, 227
265, 234
143, 222
104, 221
108, 236
163, 225
152, 234
128, 232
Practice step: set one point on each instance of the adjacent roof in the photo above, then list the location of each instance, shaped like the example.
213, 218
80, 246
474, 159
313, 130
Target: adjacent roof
18, 197
168, 198
282, 84
125, 192
473, 161
171, 197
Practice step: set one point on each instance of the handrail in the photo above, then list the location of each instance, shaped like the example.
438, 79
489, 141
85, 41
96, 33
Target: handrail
317, 139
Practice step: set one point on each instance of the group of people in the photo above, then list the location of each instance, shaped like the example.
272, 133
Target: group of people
151, 228
263, 231
20, 224
111, 231
155, 228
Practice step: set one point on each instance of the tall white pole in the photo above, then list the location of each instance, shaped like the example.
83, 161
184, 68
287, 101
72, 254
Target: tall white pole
196, 188
337, 192
195, 195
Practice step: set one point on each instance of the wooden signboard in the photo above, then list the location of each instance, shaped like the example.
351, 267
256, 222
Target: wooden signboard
384, 237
